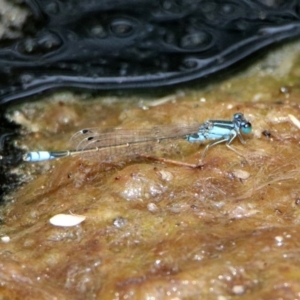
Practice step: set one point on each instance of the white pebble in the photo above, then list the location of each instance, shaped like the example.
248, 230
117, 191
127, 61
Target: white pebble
5, 239
294, 120
241, 174
165, 175
65, 220
238, 289
152, 207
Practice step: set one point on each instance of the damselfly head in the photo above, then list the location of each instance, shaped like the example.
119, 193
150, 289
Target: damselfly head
244, 125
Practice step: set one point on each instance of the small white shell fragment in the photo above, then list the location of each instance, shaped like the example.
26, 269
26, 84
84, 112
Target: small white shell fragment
152, 207
238, 289
65, 220
241, 174
165, 175
294, 120
5, 239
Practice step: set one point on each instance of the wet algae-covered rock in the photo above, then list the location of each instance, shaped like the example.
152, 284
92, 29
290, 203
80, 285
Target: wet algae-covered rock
153, 230
122, 226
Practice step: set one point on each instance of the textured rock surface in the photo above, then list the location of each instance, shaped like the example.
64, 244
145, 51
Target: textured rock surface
229, 230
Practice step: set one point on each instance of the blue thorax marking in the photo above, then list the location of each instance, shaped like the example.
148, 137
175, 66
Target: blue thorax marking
221, 129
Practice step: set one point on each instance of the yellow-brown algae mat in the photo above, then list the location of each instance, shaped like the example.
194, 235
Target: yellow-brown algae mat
152, 230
